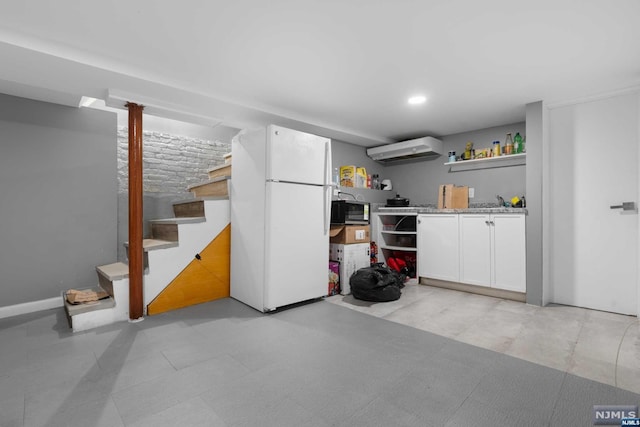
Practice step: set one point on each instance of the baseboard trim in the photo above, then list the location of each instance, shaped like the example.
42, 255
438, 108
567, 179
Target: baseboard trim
472, 289
30, 307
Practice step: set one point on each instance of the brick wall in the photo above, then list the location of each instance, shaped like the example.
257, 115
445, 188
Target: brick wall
170, 162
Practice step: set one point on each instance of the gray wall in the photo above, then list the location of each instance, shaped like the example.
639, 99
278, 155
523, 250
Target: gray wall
344, 154
59, 198
419, 181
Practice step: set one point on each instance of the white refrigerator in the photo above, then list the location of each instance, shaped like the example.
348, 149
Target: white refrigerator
280, 217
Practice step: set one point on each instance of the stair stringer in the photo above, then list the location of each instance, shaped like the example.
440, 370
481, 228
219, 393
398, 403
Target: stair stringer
166, 264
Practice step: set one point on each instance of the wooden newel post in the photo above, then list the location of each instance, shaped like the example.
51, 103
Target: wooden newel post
136, 254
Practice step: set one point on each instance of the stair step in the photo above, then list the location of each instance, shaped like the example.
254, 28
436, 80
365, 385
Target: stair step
193, 208
75, 309
181, 220
115, 271
167, 229
154, 244
82, 317
227, 158
151, 245
214, 187
189, 208
220, 170
107, 274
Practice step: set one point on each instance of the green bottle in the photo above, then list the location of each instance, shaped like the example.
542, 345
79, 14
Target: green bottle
518, 146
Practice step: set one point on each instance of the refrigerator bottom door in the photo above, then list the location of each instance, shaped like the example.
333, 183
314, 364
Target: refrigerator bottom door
296, 246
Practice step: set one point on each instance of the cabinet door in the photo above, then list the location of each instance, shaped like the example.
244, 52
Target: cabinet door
475, 249
438, 256
509, 248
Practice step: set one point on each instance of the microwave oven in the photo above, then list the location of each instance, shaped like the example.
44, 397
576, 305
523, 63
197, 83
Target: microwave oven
349, 212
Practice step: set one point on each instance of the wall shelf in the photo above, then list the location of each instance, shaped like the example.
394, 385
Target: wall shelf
489, 162
399, 248
398, 232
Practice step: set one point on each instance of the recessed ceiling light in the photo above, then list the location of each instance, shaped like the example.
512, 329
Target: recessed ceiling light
86, 101
418, 99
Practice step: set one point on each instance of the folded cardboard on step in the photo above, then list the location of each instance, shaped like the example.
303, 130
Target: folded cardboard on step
453, 197
84, 296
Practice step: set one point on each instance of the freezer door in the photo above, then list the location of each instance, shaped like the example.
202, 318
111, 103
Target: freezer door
297, 246
295, 156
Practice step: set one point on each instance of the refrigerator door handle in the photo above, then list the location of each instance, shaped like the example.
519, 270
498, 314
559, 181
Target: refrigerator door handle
327, 208
327, 186
327, 163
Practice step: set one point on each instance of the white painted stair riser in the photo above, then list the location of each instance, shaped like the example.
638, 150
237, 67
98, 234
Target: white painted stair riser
118, 313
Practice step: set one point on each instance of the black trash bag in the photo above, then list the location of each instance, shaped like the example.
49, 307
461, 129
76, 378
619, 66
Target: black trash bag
376, 283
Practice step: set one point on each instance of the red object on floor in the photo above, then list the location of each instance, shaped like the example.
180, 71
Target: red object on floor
392, 264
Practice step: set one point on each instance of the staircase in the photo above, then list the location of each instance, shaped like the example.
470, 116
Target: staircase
186, 259
216, 185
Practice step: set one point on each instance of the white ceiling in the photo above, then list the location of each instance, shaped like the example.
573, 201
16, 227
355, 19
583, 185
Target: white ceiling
340, 68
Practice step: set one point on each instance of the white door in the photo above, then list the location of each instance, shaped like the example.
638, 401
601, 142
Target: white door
296, 244
475, 249
593, 166
298, 156
438, 247
509, 252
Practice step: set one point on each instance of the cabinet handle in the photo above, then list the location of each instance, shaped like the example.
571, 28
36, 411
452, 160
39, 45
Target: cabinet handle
492, 223
487, 222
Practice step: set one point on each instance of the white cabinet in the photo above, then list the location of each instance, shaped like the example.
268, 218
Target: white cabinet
438, 246
509, 252
395, 236
475, 249
493, 251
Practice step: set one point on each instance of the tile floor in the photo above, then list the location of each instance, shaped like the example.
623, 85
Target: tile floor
320, 364
597, 345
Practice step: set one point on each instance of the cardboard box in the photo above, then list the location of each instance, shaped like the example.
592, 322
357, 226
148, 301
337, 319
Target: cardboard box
348, 176
453, 197
349, 234
334, 278
351, 259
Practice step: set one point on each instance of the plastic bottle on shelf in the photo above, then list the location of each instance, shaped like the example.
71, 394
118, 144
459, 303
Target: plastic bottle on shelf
496, 149
508, 145
518, 145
